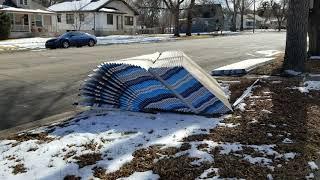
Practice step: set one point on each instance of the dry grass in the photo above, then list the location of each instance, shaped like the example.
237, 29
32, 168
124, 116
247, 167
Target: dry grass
313, 66
41, 137
195, 37
88, 159
273, 68
18, 169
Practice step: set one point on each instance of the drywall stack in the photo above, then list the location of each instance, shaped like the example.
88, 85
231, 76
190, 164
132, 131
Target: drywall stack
168, 81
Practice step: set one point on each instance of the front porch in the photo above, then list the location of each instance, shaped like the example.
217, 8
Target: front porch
28, 22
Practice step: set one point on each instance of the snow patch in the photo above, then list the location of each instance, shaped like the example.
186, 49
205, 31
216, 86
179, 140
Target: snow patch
258, 160
266, 111
201, 155
310, 176
205, 174
242, 107
228, 125
287, 141
228, 148
289, 156
148, 175
269, 53
292, 72
269, 134
269, 177
315, 58
117, 134
313, 165
308, 86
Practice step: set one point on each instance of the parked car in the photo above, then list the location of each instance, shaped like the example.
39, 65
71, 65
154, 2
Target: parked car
68, 39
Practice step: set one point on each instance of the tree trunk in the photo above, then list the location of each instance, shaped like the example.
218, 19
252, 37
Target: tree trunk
189, 19
296, 44
279, 25
234, 19
242, 14
176, 22
314, 30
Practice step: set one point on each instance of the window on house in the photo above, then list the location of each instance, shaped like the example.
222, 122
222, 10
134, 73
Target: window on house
59, 18
109, 18
70, 18
128, 20
25, 19
249, 23
25, 2
38, 20
81, 17
21, 2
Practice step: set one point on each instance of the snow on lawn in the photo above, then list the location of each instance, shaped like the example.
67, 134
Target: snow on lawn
269, 53
24, 43
148, 175
39, 43
123, 39
113, 135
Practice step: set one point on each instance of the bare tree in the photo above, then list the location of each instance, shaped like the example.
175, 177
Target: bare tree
279, 11
174, 7
245, 5
264, 10
296, 44
149, 12
235, 4
80, 19
189, 18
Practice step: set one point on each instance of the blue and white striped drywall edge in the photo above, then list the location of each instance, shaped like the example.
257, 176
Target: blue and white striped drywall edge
168, 81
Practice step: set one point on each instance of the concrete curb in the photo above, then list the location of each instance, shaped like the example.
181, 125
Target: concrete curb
41, 123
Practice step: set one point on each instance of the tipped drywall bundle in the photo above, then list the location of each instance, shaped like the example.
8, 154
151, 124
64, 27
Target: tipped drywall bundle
168, 81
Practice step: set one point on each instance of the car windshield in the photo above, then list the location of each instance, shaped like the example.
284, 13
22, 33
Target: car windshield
68, 34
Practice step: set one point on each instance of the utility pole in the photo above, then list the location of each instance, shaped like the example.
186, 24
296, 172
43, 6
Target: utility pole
254, 15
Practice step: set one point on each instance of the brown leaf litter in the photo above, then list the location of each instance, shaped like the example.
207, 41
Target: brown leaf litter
18, 169
88, 159
41, 137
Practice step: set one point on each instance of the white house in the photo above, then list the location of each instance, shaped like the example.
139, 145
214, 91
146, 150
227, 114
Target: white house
248, 21
28, 18
100, 17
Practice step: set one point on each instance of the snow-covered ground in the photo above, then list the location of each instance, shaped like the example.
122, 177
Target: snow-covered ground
39, 43
117, 135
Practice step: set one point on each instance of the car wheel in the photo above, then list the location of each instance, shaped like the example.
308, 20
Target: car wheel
91, 43
65, 44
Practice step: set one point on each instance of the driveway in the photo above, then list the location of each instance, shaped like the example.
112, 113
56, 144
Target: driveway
39, 84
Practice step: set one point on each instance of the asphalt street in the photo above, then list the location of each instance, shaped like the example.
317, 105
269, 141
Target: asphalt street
39, 84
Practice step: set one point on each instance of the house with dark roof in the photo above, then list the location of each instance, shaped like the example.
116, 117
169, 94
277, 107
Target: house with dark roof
206, 18
99, 17
28, 18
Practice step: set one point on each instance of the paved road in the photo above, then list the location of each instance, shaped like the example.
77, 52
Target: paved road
36, 85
